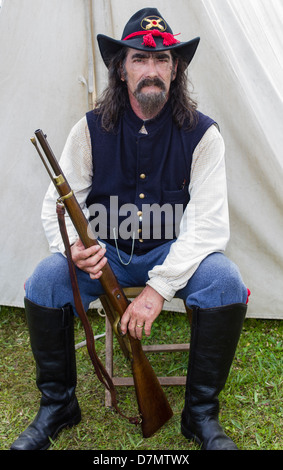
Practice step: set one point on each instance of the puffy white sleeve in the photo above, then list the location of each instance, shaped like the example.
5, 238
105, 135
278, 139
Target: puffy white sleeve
76, 164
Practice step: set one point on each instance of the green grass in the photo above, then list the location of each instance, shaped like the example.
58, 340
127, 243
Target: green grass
251, 403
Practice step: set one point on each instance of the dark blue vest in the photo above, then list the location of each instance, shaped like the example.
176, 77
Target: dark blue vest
140, 181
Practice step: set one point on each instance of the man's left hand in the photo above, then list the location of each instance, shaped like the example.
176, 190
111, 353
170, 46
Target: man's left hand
142, 312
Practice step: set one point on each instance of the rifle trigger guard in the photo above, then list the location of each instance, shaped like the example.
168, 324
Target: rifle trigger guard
116, 325
117, 330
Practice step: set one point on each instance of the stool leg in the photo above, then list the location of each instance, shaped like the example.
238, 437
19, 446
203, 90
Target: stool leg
108, 356
189, 313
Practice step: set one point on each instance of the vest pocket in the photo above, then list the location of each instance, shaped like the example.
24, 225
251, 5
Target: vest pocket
180, 196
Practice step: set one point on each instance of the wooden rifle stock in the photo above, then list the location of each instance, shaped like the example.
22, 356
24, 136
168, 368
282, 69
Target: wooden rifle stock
152, 402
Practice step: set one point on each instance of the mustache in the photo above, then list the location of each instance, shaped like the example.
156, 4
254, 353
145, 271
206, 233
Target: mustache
150, 82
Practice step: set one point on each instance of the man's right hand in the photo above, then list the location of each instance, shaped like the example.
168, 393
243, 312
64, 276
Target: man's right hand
91, 260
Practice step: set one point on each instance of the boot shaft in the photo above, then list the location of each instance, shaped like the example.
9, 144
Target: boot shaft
214, 337
52, 343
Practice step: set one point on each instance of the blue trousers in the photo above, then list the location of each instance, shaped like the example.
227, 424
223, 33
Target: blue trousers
216, 282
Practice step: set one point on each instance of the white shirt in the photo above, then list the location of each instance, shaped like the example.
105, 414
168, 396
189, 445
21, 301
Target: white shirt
204, 227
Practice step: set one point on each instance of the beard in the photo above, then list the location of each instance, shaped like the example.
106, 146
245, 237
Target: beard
151, 103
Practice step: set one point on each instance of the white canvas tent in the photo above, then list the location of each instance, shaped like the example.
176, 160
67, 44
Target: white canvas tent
50, 71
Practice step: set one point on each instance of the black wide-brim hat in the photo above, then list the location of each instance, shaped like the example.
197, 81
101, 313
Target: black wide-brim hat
147, 31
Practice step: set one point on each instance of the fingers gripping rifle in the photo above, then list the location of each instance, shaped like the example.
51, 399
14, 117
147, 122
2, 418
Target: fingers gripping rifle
153, 406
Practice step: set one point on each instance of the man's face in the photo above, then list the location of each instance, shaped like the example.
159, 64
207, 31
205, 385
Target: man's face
148, 76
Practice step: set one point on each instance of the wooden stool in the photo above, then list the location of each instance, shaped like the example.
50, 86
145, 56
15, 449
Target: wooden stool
133, 292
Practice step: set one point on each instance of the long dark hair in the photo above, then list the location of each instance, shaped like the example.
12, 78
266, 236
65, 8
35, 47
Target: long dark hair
113, 101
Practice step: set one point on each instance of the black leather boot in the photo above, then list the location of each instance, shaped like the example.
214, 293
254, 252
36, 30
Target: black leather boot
52, 342
214, 337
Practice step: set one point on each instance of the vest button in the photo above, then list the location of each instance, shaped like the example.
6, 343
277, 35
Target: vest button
140, 240
139, 213
142, 176
141, 196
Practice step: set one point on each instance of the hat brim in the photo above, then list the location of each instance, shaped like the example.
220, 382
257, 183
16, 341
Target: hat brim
109, 47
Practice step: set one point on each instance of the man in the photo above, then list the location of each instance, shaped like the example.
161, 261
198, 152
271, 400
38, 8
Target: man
144, 148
